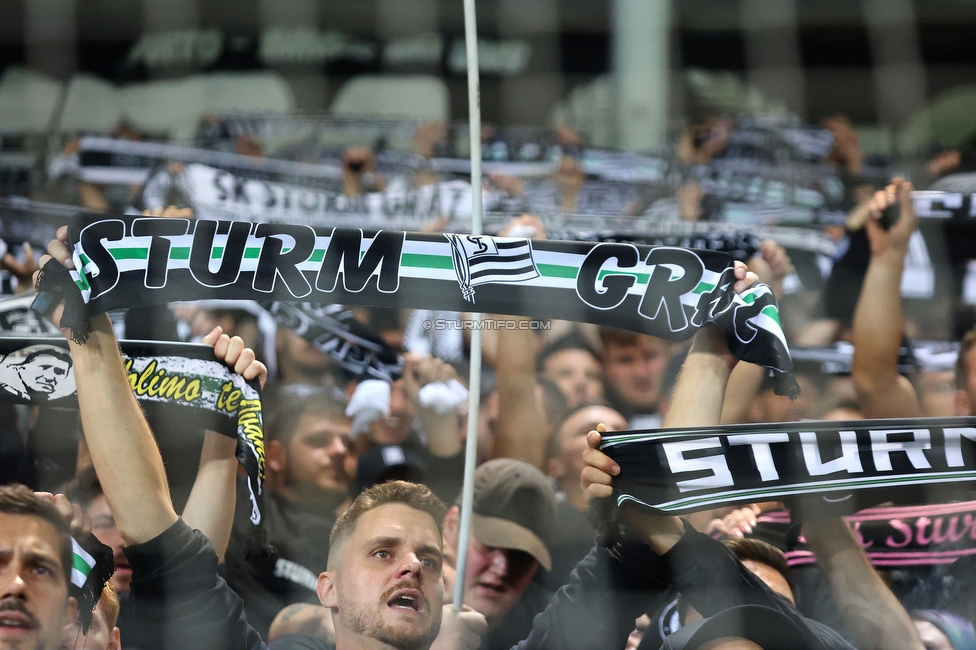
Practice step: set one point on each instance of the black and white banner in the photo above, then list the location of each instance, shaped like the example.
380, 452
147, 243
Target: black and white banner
662, 291
215, 193
110, 161
177, 380
334, 331
837, 467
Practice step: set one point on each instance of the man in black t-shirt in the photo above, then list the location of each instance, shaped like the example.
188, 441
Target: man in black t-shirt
307, 456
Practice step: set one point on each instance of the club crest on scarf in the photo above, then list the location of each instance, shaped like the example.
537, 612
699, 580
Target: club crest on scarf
480, 260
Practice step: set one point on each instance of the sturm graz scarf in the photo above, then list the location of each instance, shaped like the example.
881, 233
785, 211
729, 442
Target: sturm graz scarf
665, 292
333, 330
819, 468
175, 380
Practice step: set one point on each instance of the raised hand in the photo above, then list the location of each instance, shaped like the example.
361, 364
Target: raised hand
460, 630
233, 352
896, 237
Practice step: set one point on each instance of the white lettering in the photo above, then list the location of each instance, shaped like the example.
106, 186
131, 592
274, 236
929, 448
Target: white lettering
848, 461
953, 444
761, 453
882, 448
721, 476
296, 573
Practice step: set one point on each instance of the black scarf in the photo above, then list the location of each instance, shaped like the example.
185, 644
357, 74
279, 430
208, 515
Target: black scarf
182, 379
819, 468
662, 291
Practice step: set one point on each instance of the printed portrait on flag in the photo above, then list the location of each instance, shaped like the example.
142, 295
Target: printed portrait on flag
38, 373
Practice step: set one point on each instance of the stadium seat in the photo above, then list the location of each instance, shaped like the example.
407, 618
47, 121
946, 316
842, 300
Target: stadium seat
420, 97
28, 100
171, 108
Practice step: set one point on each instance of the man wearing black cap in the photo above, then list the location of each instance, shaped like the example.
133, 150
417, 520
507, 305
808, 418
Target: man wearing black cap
744, 628
387, 463
513, 516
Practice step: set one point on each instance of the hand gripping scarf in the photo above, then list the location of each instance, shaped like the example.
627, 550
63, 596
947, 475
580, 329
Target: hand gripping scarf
662, 291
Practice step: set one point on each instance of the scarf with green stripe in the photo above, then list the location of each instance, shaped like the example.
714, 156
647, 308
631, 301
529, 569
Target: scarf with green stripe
663, 291
92, 566
820, 469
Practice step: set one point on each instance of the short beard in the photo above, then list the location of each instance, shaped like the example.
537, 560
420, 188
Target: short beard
365, 620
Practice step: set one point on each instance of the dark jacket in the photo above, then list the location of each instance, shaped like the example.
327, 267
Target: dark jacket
711, 579
180, 601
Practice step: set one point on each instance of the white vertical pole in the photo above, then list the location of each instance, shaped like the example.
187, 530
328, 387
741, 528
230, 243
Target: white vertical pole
641, 65
474, 378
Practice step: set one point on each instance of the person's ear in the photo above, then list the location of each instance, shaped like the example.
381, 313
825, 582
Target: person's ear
962, 404
115, 640
555, 468
452, 521
275, 456
327, 592
72, 610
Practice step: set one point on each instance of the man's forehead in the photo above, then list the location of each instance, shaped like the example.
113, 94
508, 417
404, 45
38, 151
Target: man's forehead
586, 419
640, 343
397, 521
570, 357
323, 422
29, 532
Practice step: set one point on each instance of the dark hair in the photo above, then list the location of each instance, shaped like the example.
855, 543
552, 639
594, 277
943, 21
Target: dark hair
57, 353
290, 411
962, 369
413, 495
83, 488
574, 340
616, 336
747, 548
20, 500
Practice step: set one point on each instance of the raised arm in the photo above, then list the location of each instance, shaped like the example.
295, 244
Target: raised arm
881, 391
872, 613
443, 429
210, 508
122, 447
121, 444
522, 429
697, 401
772, 264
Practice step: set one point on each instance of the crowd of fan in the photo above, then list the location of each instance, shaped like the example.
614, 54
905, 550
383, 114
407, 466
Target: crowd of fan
363, 526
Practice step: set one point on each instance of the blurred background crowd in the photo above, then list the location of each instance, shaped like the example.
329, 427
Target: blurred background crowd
756, 127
